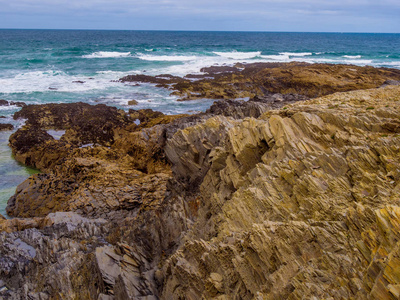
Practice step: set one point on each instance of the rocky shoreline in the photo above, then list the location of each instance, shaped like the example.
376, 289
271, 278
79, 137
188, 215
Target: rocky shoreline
259, 80
277, 197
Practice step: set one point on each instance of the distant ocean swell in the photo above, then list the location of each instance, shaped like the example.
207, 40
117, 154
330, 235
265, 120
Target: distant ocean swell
230, 57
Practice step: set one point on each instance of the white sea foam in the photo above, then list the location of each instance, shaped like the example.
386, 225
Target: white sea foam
8, 107
287, 56
56, 81
317, 60
238, 55
107, 54
361, 62
395, 64
166, 57
352, 56
280, 57
191, 67
300, 54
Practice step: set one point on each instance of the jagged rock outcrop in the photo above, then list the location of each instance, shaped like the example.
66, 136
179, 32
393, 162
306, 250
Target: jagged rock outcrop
51, 257
296, 201
240, 109
297, 204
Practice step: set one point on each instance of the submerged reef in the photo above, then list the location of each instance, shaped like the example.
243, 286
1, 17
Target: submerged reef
277, 197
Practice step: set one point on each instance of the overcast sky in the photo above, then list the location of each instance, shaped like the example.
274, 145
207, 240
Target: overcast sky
249, 15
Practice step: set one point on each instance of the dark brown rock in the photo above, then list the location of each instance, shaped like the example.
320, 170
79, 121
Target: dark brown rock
213, 70
145, 115
28, 137
4, 127
133, 102
84, 123
7, 103
36, 148
162, 80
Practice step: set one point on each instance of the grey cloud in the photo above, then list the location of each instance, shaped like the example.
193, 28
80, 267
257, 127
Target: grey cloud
249, 15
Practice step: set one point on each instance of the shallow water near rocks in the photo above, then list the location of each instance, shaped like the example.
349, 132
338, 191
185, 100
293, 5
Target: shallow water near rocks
12, 173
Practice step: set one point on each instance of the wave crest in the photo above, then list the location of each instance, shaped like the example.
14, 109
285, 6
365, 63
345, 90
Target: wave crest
107, 54
297, 54
238, 55
167, 57
352, 56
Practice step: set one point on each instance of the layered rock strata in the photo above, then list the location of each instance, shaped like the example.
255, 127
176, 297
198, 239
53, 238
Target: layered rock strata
264, 199
302, 202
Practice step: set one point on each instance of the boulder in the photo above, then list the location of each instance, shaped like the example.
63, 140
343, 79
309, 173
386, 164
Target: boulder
133, 102
7, 103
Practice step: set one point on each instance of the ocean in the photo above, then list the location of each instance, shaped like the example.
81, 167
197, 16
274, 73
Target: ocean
43, 66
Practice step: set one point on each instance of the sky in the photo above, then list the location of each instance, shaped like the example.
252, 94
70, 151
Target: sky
214, 15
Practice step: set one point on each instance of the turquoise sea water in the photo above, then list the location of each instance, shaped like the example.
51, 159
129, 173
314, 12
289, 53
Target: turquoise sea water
42, 66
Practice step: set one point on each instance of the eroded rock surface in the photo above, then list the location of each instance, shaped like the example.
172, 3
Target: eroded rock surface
298, 203
259, 199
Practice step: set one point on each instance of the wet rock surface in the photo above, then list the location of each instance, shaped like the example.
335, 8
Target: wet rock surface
7, 103
277, 197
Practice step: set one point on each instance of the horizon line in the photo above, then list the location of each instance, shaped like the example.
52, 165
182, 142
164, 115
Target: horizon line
197, 30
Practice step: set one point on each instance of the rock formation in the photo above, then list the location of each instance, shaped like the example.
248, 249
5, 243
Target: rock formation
277, 197
260, 79
5, 126
7, 103
297, 203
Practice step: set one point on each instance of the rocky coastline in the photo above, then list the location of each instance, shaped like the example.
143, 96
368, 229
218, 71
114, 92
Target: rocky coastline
292, 193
